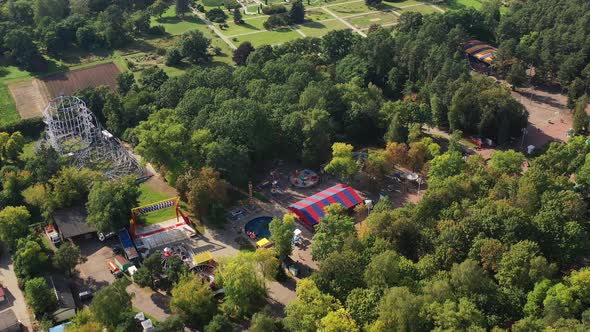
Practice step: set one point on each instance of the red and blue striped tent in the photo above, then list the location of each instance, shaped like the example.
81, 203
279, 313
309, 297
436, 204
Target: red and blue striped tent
311, 209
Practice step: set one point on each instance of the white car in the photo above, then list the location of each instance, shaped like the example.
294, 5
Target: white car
103, 236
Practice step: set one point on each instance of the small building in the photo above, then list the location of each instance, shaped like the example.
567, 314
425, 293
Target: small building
59, 328
122, 263
9, 322
72, 223
66, 306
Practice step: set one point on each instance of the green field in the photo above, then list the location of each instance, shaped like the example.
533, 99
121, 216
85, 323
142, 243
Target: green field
318, 29
8, 113
175, 25
247, 26
365, 21
148, 196
458, 4
425, 9
317, 14
275, 37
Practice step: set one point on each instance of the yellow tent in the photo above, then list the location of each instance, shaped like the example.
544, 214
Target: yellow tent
263, 243
202, 258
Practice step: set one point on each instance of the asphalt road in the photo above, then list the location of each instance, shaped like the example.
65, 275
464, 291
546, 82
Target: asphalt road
15, 298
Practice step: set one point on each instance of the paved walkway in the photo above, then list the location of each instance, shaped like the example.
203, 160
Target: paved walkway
214, 28
15, 298
352, 27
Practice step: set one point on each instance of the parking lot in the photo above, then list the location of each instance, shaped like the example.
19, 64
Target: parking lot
94, 273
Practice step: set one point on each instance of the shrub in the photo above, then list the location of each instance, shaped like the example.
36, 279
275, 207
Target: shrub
274, 9
31, 128
277, 20
157, 30
231, 4
216, 15
173, 56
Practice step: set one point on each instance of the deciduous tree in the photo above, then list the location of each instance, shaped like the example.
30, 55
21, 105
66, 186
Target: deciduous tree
39, 296
193, 301
109, 204
331, 232
66, 258
281, 233
13, 224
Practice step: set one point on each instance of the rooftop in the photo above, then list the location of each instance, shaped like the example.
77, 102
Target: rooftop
72, 222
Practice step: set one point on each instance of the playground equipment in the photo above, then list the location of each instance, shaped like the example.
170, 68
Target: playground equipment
74, 131
304, 179
138, 211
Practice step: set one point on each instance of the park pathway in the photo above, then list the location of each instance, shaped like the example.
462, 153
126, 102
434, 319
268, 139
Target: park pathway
15, 298
214, 28
352, 27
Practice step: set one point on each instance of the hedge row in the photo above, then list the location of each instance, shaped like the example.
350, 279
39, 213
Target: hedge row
31, 128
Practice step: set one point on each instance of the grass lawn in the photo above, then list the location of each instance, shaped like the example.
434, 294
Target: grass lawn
8, 113
458, 4
317, 14
173, 24
275, 37
11, 73
424, 9
351, 9
148, 196
376, 18
398, 4
255, 24
318, 29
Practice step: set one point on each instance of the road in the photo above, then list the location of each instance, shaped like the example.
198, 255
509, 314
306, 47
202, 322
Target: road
14, 294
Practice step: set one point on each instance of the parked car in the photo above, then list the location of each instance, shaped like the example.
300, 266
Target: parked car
117, 250
85, 295
2, 295
103, 236
53, 235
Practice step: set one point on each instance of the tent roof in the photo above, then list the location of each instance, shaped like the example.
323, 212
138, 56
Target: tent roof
480, 50
311, 209
202, 258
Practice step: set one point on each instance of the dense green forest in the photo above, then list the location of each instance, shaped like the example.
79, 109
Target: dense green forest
292, 101
489, 247
31, 28
550, 36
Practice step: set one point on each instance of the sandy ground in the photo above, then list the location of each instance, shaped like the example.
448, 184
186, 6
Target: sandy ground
30, 98
549, 117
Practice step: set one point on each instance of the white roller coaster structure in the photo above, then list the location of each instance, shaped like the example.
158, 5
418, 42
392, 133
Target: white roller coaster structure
74, 131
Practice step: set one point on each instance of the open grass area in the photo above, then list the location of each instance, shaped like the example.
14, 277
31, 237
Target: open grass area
424, 9
148, 196
275, 37
248, 26
317, 14
173, 24
8, 113
318, 29
458, 4
351, 9
376, 18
